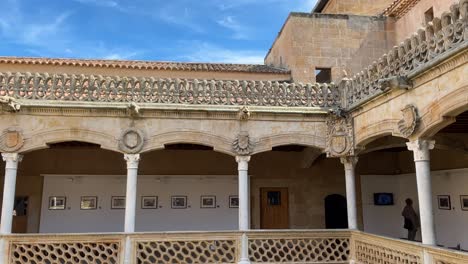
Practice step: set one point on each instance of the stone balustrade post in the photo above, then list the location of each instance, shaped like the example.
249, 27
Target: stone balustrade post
349, 163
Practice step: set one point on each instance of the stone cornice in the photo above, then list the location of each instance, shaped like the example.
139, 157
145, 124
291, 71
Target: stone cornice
146, 65
399, 8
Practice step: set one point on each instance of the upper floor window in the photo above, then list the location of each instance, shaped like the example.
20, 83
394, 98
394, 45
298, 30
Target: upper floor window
429, 15
323, 75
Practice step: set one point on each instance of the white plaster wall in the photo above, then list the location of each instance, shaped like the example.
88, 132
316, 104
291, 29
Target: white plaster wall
104, 219
451, 225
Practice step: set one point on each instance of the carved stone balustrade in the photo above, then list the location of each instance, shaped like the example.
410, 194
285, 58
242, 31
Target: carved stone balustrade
282, 246
105, 89
440, 39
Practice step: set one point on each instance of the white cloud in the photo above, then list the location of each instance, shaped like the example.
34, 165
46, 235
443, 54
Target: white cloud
239, 31
171, 14
206, 52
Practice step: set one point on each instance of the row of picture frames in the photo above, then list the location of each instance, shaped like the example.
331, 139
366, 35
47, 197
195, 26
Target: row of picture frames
147, 202
445, 203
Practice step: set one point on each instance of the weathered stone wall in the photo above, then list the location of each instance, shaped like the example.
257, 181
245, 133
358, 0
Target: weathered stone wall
308, 41
356, 7
414, 19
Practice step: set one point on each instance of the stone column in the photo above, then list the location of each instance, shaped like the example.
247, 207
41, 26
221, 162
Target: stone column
12, 160
421, 148
131, 195
130, 202
349, 163
244, 195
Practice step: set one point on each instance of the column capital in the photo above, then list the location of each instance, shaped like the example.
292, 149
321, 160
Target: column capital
242, 162
420, 148
349, 162
12, 159
132, 160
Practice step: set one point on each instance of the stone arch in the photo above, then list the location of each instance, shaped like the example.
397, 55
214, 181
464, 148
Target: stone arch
442, 112
219, 143
41, 139
387, 127
267, 143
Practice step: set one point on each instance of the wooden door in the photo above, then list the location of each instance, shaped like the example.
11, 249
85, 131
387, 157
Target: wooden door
20, 219
274, 208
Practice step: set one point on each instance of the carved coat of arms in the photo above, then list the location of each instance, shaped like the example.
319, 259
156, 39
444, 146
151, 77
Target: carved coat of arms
408, 123
243, 145
340, 140
131, 141
11, 140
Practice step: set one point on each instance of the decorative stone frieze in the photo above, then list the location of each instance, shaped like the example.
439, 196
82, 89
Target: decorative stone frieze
131, 141
243, 145
442, 36
11, 140
340, 139
11, 104
116, 89
408, 123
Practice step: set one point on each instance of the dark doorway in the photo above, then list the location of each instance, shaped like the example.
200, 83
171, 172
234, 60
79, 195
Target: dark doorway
336, 215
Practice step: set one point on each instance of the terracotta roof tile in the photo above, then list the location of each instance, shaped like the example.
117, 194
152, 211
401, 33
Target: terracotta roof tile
147, 65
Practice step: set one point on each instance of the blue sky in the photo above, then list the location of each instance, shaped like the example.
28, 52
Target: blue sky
236, 31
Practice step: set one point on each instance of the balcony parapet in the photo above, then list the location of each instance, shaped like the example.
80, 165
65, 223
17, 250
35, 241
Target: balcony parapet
279, 246
107, 90
440, 39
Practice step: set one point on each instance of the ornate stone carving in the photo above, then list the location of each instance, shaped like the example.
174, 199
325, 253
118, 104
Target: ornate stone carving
408, 123
244, 113
420, 148
11, 140
441, 37
131, 141
132, 160
116, 89
340, 139
11, 103
394, 82
243, 145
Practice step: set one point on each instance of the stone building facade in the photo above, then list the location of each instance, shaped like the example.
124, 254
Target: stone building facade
93, 146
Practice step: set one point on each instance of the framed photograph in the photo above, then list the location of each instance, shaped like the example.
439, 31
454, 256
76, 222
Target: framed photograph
178, 202
444, 202
57, 202
118, 202
464, 202
149, 202
88, 203
233, 201
208, 201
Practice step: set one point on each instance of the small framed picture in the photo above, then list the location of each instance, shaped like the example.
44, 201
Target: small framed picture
118, 202
88, 203
233, 201
149, 202
57, 202
178, 202
464, 202
208, 201
444, 202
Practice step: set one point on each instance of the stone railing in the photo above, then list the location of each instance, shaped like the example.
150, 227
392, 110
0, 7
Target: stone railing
288, 246
96, 88
443, 37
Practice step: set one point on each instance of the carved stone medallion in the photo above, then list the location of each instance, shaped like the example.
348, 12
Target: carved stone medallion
340, 140
408, 123
243, 145
131, 141
11, 140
